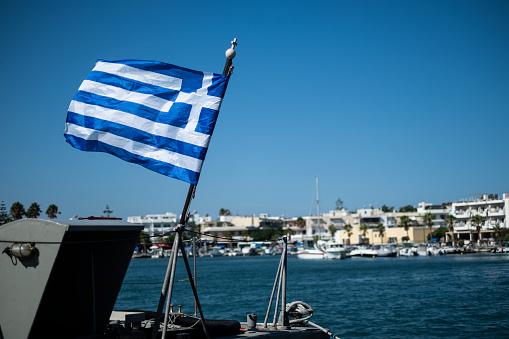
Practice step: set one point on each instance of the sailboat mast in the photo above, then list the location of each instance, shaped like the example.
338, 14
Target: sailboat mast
318, 209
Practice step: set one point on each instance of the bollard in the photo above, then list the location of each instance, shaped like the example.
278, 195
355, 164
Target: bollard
251, 321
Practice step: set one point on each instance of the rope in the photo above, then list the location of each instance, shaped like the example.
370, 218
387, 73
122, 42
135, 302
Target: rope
300, 312
321, 329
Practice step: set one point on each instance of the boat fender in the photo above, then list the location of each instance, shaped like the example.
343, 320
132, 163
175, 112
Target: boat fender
216, 328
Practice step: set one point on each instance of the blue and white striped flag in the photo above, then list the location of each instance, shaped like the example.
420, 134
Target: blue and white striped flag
150, 113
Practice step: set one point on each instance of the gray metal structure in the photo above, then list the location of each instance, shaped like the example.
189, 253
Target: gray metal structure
71, 280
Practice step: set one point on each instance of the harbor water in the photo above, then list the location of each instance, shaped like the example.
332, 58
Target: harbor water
450, 296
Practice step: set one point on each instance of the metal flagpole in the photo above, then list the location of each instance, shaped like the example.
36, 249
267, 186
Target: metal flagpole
172, 263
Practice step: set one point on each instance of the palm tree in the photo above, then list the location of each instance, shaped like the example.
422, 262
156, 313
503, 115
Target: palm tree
107, 211
17, 210
52, 211
315, 239
4, 217
34, 210
381, 230
332, 230
405, 221
364, 230
224, 211
428, 221
348, 229
301, 223
498, 231
477, 221
450, 221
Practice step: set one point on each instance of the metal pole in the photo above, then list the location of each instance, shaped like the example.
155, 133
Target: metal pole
276, 306
194, 268
193, 287
170, 274
284, 316
273, 291
173, 259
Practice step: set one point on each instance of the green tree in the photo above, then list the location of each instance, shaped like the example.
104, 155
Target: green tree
348, 229
440, 232
428, 221
407, 209
498, 232
450, 219
477, 221
34, 210
224, 211
364, 230
339, 204
386, 208
405, 221
332, 230
4, 217
381, 229
17, 210
52, 211
301, 223
315, 239
107, 211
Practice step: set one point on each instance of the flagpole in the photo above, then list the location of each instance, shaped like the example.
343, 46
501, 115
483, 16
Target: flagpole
184, 217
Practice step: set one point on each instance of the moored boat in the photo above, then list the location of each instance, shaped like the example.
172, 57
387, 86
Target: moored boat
386, 250
363, 251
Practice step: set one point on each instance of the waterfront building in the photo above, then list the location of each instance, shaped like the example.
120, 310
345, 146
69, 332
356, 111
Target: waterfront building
238, 227
439, 212
490, 207
156, 224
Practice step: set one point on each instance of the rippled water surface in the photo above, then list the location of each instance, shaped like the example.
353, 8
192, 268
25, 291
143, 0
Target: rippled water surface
453, 296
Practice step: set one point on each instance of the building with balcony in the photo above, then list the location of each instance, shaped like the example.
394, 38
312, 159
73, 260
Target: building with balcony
490, 207
439, 212
156, 224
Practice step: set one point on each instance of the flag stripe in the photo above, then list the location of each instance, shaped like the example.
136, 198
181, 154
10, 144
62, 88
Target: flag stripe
145, 125
171, 145
137, 74
134, 86
125, 95
135, 148
156, 166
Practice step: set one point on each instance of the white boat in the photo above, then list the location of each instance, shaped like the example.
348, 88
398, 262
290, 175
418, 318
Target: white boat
363, 251
386, 250
435, 250
408, 252
216, 251
333, 250
323, 250
450, 250
310, 253
422, 250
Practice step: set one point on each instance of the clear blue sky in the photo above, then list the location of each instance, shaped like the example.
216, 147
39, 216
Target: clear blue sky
386, 102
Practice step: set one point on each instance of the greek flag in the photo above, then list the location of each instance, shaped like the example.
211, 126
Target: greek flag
150, 113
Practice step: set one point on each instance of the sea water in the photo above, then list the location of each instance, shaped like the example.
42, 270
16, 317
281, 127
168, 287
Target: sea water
451, 296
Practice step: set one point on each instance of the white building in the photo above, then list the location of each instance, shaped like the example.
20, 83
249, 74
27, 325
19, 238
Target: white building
439, 212
489, 206
156, 224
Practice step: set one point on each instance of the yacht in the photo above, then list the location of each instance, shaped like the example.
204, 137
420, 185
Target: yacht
386, 250
408, 252
363, 251
334, 250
